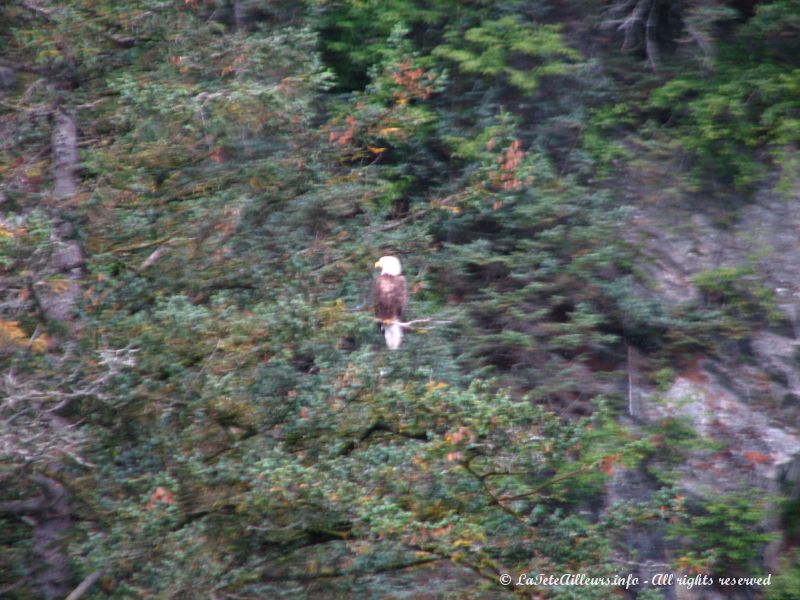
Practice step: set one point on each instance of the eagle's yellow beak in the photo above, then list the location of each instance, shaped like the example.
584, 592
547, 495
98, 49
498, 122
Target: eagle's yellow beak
378, 265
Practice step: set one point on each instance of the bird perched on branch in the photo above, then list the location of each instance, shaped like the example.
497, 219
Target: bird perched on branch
390, 294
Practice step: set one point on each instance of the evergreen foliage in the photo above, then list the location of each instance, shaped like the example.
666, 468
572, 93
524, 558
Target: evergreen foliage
218, 407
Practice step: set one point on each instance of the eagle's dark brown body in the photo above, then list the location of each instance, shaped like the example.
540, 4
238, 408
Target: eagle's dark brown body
390, 295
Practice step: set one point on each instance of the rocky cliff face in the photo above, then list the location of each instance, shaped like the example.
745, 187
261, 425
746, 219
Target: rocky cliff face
744, 399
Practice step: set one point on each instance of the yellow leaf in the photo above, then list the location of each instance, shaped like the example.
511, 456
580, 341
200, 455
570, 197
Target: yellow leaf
37, 169
40, 343
389, 130
436, 385
10, 331
376, 150
59, 285
11, 334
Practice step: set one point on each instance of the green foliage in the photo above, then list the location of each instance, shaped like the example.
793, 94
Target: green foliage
737, 291
507, 47
331, 461
523, 252
354, 32
650, 594
785, 583
239, 429
598, 137
731, 115
669, 443
726, 535
728, 108
487, 39
775, 23
663, 378
747, 103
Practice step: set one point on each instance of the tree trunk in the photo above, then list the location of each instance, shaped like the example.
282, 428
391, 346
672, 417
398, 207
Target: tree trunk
59, 304
50, 526
49, 515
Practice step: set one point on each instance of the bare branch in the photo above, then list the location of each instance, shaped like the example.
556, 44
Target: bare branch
546, 484
78, 459
651, 44
409, 217
498, 502
35, 8
630, 383
154, 256
15, 66
629, 17
23, 507
121, 41
10, 588
85, 585
52, 489
410, 324
352, 573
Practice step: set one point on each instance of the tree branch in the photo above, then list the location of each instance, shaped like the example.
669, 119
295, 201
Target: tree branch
23, 507
409, 217
546, 484
10, 588
85, 585
409, 324
42, 12
354, 573
15, 66
650, 42
498, 502
53, 490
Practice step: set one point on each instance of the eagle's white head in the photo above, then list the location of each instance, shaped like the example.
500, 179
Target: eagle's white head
389, 265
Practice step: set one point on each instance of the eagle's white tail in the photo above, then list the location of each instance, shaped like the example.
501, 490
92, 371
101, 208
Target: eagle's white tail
393, 332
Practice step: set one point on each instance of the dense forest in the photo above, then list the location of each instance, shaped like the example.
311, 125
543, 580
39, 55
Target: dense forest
195, 399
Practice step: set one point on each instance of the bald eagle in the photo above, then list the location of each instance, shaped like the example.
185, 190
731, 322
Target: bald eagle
390, 295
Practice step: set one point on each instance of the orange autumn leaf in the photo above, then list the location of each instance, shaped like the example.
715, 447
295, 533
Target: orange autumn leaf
757, 458
462, 434
160, 495
440, 531
607, 463
217, 155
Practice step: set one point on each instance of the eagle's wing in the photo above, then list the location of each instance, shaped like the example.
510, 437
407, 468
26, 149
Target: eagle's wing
377, 296
390, 295
402, 295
